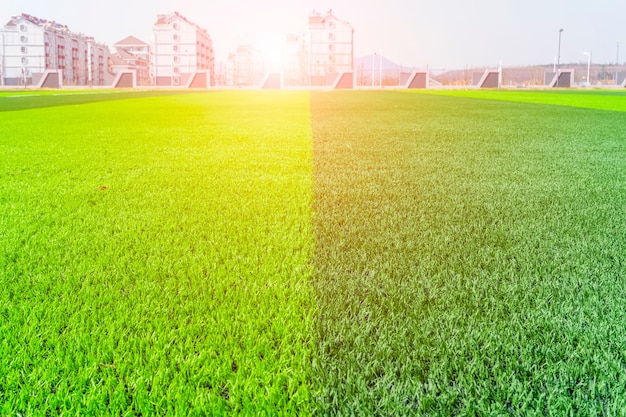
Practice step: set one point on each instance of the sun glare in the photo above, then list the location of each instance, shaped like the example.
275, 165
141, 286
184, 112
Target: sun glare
270, 45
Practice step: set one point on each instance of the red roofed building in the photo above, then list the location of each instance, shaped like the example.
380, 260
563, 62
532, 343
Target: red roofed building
132, 54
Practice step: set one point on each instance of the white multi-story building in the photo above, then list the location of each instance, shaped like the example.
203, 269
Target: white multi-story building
179, 48
295, 61
324, 50
331, 46
29, 46
244, 67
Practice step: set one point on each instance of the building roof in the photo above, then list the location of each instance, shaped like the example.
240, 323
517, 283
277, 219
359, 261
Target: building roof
51, 25
164, 19
318, 18
122, 54
39, 22
117, 61
130, 41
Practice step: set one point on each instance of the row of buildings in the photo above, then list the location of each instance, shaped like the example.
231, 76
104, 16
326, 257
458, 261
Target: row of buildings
178, 49
29, 46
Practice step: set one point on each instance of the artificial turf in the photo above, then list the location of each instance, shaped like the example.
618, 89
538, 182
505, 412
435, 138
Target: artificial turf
156, 256
470, 256
325, 253
614, 100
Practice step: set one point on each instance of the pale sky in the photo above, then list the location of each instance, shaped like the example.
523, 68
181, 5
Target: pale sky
438, 33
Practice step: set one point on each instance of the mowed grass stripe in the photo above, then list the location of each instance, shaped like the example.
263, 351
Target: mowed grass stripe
33, 99
470, 256
155, 256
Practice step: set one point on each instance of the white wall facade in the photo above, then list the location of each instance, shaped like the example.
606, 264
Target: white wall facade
29, 46
321, 52
179, 48
22, 52
330, 46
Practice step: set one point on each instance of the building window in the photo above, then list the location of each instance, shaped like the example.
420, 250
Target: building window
331, 24
22, 28
24, 60
176, 58
23, 39
176, 80
176, 26
175, 48
331, 47
331, 36
24, 50
176, 70
176, 37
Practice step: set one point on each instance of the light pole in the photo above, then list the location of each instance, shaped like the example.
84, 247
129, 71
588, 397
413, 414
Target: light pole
380, 69
558, 59
558, 56
588, 67
373, 56
617, 63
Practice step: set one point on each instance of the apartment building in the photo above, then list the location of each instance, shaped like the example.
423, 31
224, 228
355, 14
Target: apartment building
179, 49
245, 67
331, 46
295, 61
29, 46
132, 53
322, 51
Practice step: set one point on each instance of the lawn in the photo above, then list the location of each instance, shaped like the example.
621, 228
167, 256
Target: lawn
470, 255
589, 99
325, 253
155, 256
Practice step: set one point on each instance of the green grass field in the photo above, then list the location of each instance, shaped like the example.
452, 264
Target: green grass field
324, 253
156, 256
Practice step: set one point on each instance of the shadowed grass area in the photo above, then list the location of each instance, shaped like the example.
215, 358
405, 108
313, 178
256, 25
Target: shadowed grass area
470, 256
33, 99
155, 256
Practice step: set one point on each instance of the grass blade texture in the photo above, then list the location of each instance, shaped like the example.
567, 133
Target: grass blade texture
470, 256
155, 256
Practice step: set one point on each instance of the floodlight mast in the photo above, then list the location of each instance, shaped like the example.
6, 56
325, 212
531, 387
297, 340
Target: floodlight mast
380, 70
558, 56
558, 59
588, 67
373, 56
617, 63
